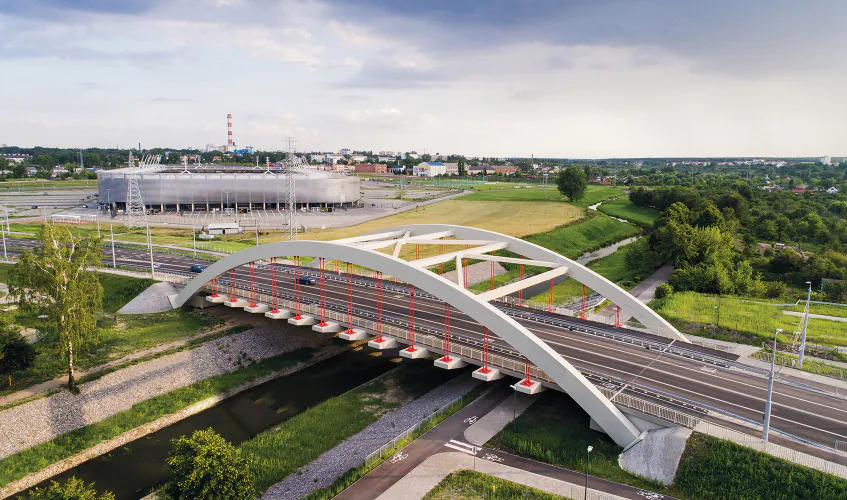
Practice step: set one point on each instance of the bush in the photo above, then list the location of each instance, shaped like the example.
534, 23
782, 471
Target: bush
774, 289
206, 465
663, 290
16, 353
73, 489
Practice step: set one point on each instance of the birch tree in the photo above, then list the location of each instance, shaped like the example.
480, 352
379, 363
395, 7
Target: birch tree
54, 281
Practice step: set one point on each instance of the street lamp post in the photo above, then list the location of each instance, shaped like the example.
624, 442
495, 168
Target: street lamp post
805, 325
587, 461
111, 230
767, 424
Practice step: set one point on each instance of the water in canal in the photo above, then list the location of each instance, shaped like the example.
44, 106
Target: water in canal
132, 471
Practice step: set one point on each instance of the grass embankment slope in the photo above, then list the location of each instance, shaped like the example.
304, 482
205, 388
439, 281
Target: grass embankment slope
117, 335
714, 469
625, 209
276, 453
572, 240
471, 485
741, 320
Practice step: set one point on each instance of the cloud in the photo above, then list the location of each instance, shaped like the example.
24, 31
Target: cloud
58, 9
367, 115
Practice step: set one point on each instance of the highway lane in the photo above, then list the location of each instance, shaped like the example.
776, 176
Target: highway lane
808, 414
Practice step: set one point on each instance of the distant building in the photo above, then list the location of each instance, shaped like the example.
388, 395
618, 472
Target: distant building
801, 188
826, 160
452, 168
832, 190
505, 170
429, 169
370, 168
344, 151
15, 158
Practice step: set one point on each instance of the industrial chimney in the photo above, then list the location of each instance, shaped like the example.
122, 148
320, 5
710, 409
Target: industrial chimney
229, 131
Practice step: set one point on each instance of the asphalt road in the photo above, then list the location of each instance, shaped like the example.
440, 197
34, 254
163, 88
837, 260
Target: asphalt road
666, 368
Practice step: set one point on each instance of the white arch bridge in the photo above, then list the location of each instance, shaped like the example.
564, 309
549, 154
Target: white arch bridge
540, 364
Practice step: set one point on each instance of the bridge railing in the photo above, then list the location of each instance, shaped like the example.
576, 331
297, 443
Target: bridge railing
439, 344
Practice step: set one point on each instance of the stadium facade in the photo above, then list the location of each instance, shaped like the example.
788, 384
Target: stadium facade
216, 187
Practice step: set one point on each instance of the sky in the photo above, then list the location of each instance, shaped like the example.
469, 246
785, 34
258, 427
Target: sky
553, 78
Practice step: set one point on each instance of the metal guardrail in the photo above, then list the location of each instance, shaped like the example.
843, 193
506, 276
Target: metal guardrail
818, 368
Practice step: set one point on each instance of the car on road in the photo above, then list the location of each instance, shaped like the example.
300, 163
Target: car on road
307, 280
197, 268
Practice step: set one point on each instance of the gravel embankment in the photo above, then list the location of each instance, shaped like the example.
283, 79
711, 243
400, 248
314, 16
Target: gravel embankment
324, 470
38, 421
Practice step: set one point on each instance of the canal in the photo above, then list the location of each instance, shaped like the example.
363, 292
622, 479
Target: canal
132, 471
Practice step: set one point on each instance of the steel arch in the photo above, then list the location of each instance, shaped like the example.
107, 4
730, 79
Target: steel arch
618, 296
606, 414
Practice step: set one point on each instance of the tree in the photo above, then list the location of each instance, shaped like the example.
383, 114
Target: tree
73, 489
462, 170
54, 280
15, 352
206, 465
572, 182
663, 291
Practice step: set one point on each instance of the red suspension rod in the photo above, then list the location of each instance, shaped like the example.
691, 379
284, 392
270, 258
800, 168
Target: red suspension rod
322, 303
485, 368
446, 357
252, 285
550, 298
582, 311
349, 300
379, 307
618, 317
527, 381
232, 297
465, 271
411, 319
274, 298
520, 292
215, 288
297, 315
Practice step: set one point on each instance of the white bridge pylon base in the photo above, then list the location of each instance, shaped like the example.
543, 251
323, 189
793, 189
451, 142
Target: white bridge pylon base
363, 251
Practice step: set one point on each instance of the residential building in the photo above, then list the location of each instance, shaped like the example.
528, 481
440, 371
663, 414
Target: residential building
370, 168
15, 157
430, 169
452, 168
505, 170
832, 190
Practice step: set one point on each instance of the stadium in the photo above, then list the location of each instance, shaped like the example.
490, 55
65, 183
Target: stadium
213, 188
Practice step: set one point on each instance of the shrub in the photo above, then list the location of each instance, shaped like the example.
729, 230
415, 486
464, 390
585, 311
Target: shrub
774, 289
73, 489
16, 353
663, 290
206, 465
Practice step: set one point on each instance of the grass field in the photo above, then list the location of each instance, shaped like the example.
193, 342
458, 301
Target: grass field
611, 267
276, 453
595, 232
467, 484
742, 321
555, 430
535, 192
711, 468
625, 209
40, 456
116, 336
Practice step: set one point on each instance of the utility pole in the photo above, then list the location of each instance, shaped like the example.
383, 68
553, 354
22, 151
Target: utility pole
767, 424
98, 225
194, 237
111, 230
805, 325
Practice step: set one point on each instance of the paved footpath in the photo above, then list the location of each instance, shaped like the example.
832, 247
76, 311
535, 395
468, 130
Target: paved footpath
401, 477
